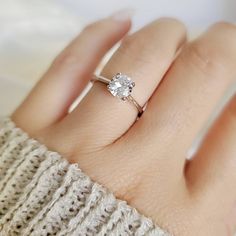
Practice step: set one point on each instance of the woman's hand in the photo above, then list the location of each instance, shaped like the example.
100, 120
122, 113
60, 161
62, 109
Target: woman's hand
144, 162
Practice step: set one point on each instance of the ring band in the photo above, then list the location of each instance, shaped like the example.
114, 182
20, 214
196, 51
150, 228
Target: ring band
120, 86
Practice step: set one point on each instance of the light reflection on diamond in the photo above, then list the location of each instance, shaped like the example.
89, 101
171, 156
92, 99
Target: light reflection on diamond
121, 86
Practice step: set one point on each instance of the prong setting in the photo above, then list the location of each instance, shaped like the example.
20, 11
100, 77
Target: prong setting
121, 86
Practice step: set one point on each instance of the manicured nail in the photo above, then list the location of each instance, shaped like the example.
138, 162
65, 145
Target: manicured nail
123, 15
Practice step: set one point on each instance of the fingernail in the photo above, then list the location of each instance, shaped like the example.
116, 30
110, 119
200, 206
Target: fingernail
123, 15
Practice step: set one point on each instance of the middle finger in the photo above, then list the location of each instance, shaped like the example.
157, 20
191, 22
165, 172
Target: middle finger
189, 93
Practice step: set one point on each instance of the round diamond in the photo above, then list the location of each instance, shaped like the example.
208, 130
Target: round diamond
121, 86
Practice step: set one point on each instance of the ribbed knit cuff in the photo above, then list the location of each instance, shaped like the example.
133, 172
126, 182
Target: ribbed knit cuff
42, 194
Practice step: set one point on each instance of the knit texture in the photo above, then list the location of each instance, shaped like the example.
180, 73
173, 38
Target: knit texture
41, 194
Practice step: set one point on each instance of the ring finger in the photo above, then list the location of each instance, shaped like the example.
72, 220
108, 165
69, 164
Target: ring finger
145, 56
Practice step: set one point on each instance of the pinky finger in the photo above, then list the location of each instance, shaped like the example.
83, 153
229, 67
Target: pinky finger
213, 170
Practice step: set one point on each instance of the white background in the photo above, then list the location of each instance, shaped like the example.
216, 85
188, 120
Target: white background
195, 13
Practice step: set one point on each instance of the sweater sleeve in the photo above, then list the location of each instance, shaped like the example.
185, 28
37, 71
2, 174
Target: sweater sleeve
42, 194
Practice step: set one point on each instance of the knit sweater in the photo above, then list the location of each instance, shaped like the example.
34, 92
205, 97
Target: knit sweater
42, 194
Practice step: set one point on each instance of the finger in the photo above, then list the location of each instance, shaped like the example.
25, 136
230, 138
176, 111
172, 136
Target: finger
212, 170
50, 99
188, 94
145, 56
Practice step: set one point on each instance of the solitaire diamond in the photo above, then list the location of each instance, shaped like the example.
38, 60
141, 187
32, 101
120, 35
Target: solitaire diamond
121, 86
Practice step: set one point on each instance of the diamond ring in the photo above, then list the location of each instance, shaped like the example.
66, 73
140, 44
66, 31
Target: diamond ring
120, 86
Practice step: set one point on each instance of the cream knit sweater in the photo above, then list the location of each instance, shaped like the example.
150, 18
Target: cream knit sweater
42, 194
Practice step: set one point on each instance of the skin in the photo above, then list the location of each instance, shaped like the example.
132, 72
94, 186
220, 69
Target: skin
144, 162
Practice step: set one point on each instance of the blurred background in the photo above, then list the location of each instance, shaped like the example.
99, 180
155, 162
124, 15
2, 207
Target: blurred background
32, 32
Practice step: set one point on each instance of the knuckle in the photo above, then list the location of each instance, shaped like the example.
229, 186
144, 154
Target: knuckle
215, 52
209, 61
139, 48
142, 46
133, 49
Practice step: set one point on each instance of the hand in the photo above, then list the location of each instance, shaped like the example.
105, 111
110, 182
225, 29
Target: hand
144, 161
